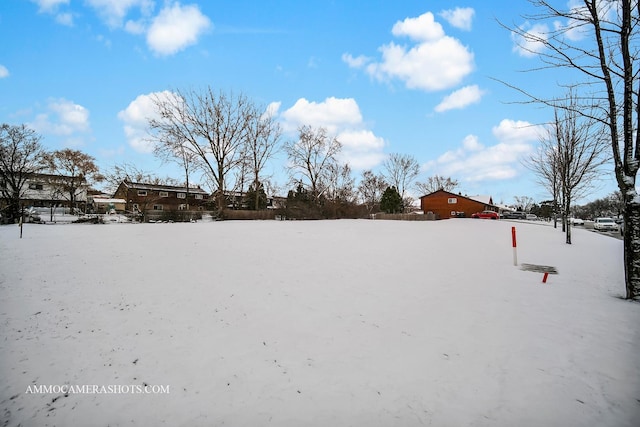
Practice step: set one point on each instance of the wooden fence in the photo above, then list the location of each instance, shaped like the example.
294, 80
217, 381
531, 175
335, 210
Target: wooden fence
429, 216
240, 214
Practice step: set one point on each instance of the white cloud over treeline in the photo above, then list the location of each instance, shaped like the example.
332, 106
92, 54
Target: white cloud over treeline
473, 161
342, 118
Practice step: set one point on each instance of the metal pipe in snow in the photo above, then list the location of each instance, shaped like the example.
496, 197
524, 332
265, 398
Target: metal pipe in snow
513, 243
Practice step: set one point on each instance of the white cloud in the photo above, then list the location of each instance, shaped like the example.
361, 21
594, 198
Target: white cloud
65, 19
422, 28
63, 118
574, 29
175, 28
530, 41
434, 62
361, 148
113, 12
460, 98
4, 72
136, 118
355, 62
273, 108
515, 131
49, 6
332, 114
473, 162
460, 17
52, 7
471, 143
135, 27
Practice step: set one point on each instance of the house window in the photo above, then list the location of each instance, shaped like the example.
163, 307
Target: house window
157, 207
163, 193
182, 207
135, 207
198, 196
181, 196
35, 187
142, 192
452, 200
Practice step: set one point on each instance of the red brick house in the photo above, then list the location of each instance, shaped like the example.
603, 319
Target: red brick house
450, 205
142, 197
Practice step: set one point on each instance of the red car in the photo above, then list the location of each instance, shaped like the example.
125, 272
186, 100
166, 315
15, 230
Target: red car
486, 215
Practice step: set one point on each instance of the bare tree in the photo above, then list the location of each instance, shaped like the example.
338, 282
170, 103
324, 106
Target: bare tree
21, 155
180, 154
341, 184
571, 157
544, 163
580, 152
211, 126
263, 142
371, 188
310, 159
130, 173
75, 169
402, 170
606, 56
435, 183
524, 203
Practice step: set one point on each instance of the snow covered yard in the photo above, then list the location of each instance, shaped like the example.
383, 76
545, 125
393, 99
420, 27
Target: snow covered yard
326, 323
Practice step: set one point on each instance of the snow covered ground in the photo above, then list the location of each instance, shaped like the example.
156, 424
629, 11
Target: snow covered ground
325, 323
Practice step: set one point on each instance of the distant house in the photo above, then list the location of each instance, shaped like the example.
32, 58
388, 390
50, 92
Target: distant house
237, 200
141, 197
102, 205
450, 205
45, 190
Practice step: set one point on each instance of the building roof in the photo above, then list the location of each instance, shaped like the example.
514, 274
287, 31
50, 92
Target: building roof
108, 201
161, 187
486, 200
51, 177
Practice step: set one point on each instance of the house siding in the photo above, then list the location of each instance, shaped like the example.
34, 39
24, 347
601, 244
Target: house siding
439, 202
149, 197
42, 190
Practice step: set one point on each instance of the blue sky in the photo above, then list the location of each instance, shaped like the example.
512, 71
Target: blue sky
409, 77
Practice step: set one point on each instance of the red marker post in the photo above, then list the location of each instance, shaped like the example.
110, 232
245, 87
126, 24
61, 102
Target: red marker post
513, 243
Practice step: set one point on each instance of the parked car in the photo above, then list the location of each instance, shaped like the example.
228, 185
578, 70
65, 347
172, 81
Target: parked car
532, 217
576, 221
514, 215
486, 215
605, 224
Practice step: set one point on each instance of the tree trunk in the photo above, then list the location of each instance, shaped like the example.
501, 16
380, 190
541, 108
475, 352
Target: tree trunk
186, 174
632, 243
255, 188
566, 216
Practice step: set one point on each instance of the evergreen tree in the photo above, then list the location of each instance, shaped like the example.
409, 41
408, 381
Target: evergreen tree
391, 201
256, 199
